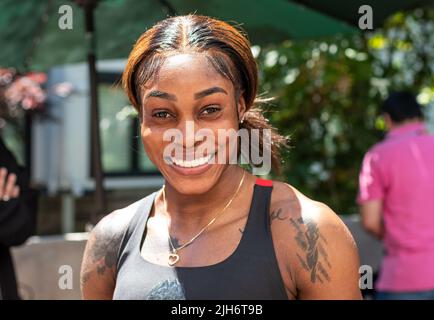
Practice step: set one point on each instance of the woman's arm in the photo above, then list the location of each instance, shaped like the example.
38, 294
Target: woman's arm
326, 258
320, 256
98, 269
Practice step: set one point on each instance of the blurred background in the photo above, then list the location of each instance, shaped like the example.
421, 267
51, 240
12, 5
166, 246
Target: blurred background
67, 120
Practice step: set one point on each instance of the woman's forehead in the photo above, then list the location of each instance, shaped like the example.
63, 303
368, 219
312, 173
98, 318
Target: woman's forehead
188, 69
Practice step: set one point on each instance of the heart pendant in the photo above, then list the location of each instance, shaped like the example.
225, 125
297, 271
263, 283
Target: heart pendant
173, 259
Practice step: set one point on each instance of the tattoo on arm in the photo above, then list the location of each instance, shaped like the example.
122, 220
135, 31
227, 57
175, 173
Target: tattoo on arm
108, 251
277, 215
314, 257
85, 275
102, 254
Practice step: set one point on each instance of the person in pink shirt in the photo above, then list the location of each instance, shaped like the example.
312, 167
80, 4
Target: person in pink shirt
396, 198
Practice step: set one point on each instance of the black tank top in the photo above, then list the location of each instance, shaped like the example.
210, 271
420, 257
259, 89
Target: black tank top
251, 272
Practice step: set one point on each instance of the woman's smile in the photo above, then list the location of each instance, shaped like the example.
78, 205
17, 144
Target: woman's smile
193, 162
195, 166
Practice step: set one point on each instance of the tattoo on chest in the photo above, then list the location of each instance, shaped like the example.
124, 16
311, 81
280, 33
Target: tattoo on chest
313, 257
175, 242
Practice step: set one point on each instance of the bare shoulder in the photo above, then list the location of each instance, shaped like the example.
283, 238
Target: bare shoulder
98, 269
298, 209
115, 223
106, 236
318, 249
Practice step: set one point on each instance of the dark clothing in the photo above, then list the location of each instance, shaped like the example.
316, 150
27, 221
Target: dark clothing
17, 223
415, 295
250, 273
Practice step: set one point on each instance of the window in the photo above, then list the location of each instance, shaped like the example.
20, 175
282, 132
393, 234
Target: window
121, 146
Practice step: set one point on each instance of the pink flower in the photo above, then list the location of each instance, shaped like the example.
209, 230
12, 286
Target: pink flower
27, 92
6, 76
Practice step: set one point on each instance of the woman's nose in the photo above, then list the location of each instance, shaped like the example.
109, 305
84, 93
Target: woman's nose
188, 130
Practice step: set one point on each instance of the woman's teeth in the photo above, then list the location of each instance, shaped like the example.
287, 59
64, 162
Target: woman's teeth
191, 163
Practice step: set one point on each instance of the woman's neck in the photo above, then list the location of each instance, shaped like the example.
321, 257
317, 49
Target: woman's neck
200, 209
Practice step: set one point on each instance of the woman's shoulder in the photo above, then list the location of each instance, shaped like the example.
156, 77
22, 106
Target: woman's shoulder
295, 214
102, 250
115, 223
314, 243
294, 204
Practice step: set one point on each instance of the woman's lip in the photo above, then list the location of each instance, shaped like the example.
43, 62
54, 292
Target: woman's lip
191, 171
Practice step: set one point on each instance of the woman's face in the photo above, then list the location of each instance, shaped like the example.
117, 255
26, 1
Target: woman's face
188, 94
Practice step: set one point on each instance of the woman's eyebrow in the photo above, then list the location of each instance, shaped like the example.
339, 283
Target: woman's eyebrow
161, 94
198, 95
209, 91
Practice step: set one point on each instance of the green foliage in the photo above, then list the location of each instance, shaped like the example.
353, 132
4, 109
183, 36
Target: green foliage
327, 94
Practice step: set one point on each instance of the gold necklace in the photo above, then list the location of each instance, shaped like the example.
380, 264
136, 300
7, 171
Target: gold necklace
174, 256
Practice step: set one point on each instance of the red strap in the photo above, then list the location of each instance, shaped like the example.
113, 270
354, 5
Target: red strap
263, 182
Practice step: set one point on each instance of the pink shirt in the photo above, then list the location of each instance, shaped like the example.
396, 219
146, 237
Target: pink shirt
400, 172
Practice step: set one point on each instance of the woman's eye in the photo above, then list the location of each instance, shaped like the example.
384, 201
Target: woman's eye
210, 110
161, 114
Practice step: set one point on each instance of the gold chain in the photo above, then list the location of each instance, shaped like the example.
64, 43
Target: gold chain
174, 257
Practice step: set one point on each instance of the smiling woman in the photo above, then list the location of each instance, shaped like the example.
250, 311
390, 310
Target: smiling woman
214, 230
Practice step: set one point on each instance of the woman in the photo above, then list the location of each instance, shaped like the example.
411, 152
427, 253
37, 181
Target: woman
214, 231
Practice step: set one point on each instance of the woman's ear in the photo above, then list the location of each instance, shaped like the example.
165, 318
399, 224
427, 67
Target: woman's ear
241, 107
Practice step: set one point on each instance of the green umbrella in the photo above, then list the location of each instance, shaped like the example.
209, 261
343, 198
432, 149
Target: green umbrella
30, 36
